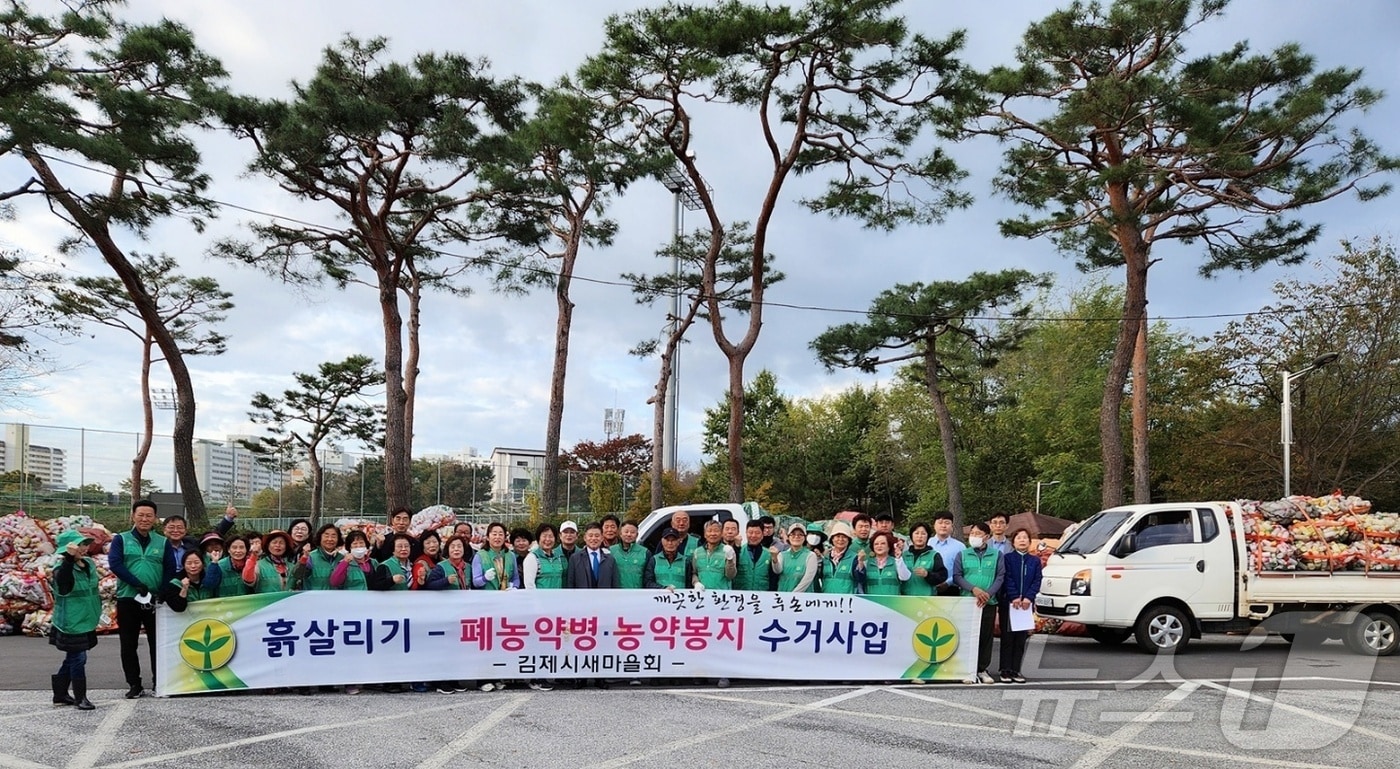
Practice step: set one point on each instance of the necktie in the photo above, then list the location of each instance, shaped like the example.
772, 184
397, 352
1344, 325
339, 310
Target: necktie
595, 566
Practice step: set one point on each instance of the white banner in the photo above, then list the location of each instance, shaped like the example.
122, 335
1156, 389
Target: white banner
340, 637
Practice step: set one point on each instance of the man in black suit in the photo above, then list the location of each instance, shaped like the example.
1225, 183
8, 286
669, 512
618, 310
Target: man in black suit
591, 566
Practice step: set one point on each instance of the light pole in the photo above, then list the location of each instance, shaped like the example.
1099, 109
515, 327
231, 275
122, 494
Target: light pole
1038, 485
683, 194
1286, 415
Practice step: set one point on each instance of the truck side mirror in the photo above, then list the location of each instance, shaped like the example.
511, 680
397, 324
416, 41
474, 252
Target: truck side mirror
1126, 546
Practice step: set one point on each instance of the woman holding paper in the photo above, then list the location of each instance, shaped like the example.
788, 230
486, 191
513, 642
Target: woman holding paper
1018, 590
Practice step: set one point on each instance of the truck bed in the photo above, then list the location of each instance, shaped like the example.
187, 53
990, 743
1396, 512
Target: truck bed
1321, 587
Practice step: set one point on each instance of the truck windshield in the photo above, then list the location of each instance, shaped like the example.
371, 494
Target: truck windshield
1094, 533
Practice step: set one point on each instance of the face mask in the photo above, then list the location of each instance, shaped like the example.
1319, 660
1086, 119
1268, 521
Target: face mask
359, 552
813, 540
975, 542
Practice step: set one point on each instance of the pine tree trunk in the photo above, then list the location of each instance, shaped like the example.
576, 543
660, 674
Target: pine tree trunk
1142, 465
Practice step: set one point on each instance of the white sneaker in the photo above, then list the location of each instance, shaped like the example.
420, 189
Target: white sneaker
488, 687
986, 677
971, 681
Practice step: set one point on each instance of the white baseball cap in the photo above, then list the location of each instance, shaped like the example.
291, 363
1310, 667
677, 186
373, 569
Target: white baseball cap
568, 525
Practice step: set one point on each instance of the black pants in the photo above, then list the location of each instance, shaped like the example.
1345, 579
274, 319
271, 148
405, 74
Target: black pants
130, 619
984, 637
1013, 649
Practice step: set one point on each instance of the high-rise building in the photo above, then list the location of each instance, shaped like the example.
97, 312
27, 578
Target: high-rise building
228, 471
47, 462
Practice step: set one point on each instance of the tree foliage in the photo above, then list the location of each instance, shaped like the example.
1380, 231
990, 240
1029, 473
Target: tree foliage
838, 88
122, 99
939, 327
628, 455
1117, 140
392, 150
189, 307
324, 408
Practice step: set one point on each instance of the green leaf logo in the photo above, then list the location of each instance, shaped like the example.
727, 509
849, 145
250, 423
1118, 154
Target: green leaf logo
935, 640
207, 645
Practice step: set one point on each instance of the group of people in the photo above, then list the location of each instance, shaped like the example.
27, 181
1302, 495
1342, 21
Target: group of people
863, 556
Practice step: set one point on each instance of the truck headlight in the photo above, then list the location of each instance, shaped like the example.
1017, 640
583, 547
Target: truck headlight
1080, 584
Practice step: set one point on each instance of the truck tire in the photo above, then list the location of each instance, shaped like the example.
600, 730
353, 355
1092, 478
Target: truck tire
1374, 634
1163, 629
1109, 636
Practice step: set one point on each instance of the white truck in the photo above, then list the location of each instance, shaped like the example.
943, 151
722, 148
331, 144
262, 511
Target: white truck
1166, 573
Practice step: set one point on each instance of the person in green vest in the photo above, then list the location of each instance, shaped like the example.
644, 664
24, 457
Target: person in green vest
669, 569
356, 570
713, 562
926, 568
631, 558
843, 567
544, 566
494, 568
755, 562
399, 564
197, 582
313, 571
861, 526
142, 561
729, 531
885, 570
680, 521
231, 568
979, 572
76, 610
271, 571
799, 565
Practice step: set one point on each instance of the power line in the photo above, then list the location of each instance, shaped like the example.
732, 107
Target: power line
765, 303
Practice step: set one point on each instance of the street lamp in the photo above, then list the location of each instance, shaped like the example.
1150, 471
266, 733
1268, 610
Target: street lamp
1038, 485
683, 192
1286, 417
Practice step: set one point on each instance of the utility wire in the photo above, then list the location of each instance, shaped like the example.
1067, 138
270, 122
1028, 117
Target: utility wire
217, 203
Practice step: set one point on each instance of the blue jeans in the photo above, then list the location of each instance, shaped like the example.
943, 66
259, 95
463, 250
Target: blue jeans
74, 665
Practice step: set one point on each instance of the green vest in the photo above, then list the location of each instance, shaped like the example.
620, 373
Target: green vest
631, 563
669, 573
231, 580
145, 563
321, 568
709, 568
880, 581
269, 580
794, 567
919, 585
840, 576
355, 577
488, 558
79, 610
753, 575
861, 546
397, 569
196, 591
980, 570
550, 574
692, 543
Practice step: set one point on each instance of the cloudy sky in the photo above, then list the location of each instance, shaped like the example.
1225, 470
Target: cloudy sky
487, 358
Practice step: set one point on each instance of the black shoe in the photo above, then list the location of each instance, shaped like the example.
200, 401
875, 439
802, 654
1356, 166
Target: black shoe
135, 692
60, 690
80, 694
603, 684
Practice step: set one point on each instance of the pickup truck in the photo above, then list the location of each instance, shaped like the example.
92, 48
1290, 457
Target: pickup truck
1166, 573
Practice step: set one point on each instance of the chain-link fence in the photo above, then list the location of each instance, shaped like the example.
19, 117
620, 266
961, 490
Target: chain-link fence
63, 471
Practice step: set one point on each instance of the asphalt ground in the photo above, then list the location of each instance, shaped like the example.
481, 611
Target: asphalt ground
1086, 706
